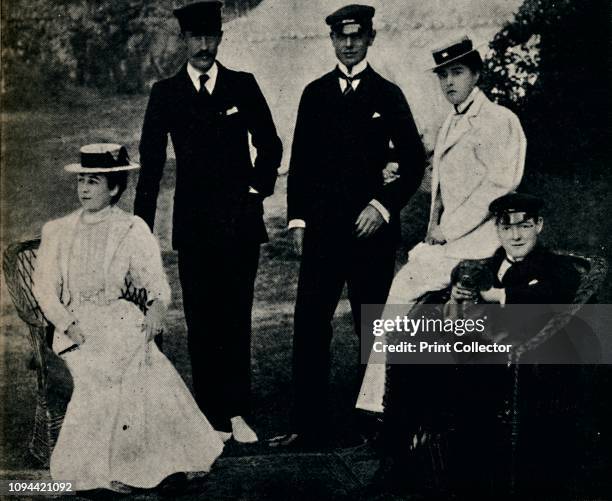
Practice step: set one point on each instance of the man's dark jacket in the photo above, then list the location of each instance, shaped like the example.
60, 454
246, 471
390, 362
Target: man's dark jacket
341, 146
213, 163
541, 279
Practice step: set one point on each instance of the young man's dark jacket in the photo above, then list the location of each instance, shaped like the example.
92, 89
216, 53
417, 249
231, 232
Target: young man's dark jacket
341, 146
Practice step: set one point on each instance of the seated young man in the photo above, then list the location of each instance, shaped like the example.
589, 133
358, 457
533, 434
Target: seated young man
472, 399
525, 272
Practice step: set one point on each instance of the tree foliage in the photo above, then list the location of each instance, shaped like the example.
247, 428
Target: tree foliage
111, 45
551, 65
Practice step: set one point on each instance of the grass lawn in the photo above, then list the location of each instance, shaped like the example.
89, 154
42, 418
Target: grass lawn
35, 146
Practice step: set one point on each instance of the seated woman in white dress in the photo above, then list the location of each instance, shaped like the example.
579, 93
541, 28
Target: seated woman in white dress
131, 421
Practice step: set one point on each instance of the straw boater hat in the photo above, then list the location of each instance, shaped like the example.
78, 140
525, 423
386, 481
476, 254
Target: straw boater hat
102, 158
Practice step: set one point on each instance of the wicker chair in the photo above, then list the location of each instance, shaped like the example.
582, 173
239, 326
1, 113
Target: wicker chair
19, 263
593, 272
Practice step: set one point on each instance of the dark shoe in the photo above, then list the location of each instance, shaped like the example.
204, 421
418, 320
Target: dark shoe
298, 441
173, 485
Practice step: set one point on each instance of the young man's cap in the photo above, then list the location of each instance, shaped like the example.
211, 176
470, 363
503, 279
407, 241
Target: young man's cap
200, 18
351, 19
516, 208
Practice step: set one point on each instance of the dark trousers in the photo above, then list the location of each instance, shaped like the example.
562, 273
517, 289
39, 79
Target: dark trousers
218, 282
367, 269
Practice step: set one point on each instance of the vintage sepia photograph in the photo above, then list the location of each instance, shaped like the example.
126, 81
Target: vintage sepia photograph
306, 249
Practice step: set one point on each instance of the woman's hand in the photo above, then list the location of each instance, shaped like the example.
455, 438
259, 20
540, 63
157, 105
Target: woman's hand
75, 334
435, 236
154, 320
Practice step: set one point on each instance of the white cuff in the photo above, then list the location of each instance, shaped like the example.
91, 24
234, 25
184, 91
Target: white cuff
297, 223
381, 208
253, 190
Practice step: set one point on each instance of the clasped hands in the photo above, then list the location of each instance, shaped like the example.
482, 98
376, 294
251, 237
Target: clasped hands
152, 325
435, 236
154, 320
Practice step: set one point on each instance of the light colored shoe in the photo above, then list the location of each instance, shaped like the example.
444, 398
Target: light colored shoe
242, 432
120, 487
225, 435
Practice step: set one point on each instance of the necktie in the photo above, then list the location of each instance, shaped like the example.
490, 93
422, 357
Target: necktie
203, 90
465, 110
348, 90
349, 85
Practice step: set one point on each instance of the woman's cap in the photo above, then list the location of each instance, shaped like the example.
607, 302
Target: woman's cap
100, 158
454, 52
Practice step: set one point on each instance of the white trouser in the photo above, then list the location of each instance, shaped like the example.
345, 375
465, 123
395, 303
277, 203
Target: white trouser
428, 269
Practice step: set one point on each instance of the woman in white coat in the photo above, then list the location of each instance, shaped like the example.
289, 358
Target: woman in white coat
479, 156
131, 421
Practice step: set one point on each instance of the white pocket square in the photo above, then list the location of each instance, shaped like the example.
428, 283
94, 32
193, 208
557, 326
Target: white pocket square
231, 111
376, 115
534, 281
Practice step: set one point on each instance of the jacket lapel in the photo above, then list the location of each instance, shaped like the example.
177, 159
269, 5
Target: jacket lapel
526, 270
495, 263
119, 226
220, 90
463, 125
66, 245
435, 177
188, 100
225, 96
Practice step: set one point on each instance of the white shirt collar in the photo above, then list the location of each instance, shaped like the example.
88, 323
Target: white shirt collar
358, 68
194, 75
461, 107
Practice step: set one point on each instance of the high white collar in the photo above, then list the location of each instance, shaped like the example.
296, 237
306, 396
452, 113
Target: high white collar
461, 107
358, 68
96, 217
194, 75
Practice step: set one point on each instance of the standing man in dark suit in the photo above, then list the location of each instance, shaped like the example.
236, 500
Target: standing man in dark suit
209, 112
343, 218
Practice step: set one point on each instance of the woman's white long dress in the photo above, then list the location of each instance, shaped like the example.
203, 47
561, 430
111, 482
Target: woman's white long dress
131, 419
